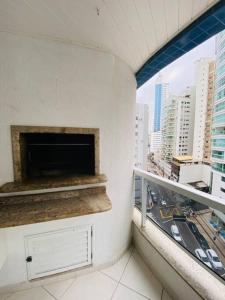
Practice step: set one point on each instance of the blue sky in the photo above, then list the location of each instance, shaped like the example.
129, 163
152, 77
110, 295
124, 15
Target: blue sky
179, 74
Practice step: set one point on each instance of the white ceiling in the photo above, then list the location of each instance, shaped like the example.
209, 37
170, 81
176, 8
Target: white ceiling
130, 29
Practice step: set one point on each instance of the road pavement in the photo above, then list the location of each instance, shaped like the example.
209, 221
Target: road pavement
163, 215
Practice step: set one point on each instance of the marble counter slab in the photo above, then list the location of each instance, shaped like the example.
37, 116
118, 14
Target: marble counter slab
29, 209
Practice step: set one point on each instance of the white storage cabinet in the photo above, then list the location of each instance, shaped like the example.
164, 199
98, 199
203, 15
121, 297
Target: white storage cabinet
57, 251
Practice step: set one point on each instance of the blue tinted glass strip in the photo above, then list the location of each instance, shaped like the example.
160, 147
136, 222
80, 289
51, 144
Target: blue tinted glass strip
207, 25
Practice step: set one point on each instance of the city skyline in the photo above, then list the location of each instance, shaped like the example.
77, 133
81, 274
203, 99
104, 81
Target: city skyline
179, 74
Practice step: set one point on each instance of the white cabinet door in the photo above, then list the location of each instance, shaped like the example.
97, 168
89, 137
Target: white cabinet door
57, 251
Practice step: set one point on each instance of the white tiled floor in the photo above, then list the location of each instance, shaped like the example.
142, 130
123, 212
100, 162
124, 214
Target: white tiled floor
128, 279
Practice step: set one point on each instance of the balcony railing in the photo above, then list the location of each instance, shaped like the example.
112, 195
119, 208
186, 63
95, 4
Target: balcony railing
219, 167
218, 132
184, 213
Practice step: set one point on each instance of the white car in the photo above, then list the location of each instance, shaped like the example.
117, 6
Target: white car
203, 257
214, 259
176, 233
163, 202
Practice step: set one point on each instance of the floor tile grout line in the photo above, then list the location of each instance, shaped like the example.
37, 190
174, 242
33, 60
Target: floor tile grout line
133, 290
74, 279
49, 293
131, 251
116, 280
162, 293
114, 290
108, 276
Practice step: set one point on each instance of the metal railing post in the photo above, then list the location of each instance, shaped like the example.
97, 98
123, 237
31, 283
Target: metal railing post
144, 201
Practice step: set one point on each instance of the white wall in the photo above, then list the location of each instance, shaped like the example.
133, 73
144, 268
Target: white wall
217, 184
193, 173
54, 84
141, 136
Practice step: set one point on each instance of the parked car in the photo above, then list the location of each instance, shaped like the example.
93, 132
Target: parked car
203, 257
163, 202
175, 232
214, 259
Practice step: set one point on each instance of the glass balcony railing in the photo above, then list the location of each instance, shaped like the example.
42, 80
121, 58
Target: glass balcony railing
186, 215
219, 167
218, 143
218, 154
218, 132
219, 119
219, 107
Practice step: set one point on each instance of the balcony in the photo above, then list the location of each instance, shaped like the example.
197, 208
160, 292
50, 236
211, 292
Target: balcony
217, 132
184, 215
217, 156
129, 278
77, 64
220, 167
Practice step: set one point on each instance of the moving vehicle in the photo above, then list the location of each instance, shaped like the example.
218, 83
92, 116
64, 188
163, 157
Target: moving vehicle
203, 257
214, 259
175, 232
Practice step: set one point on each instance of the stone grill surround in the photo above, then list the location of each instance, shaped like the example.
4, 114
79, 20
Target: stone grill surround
40, 206
18, 144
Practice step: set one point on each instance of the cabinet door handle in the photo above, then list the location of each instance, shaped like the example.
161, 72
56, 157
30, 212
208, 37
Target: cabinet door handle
29, 259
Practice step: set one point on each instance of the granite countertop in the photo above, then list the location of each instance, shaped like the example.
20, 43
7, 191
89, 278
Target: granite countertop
47, 183
35, 208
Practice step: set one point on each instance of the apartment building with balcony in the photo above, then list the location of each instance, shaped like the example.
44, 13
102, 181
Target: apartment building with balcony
218, 131
169, 129
178, 123
209, 113
185, 122
202, 90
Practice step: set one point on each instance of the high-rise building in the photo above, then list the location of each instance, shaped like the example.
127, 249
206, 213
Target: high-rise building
185, 109
218, 132
209, 114
141, 136
161, 94
202, 85
156, 141
156, 145
178, 125
169, 129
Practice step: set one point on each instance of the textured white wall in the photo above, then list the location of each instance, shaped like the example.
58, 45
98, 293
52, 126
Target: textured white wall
54, 84
193, 173
217, 184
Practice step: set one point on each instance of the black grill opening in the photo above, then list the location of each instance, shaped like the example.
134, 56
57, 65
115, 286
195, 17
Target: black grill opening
58, 154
